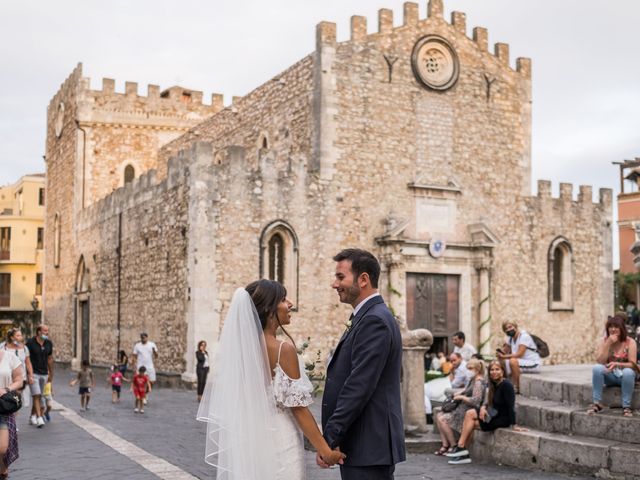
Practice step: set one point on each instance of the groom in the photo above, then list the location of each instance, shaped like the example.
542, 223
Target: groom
361, 411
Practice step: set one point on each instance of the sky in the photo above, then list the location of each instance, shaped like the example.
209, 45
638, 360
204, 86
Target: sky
585, 54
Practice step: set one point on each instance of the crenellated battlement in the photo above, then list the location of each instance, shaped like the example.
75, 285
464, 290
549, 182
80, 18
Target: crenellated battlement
74, 77
175, 99
326, 31
144, 188
585, 194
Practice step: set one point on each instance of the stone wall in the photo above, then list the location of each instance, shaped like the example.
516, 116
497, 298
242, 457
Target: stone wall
374, 132
62, 191
100, 132
521, 270
129, 129
144, 227
348, 149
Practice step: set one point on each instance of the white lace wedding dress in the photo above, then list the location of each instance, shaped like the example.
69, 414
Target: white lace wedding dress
251, 433
289, 393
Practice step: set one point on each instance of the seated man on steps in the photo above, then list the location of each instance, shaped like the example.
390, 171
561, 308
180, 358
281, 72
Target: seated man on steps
519, 353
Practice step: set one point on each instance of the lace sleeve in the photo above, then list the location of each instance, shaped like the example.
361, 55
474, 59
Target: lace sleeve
292, 392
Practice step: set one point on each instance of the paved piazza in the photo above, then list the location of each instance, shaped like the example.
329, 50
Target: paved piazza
111, 442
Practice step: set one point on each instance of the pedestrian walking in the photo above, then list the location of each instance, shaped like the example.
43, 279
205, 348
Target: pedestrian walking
85, 382
10, 379
115, 380
41, 355
15, 345
123, 362
46, 401
144, 353
202, 367
140, 386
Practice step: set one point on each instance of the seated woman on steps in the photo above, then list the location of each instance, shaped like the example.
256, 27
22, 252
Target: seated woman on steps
499, 411
450, 423
615, 366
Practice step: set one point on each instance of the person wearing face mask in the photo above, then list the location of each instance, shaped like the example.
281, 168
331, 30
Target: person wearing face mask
41, 354
15, 345
519, 354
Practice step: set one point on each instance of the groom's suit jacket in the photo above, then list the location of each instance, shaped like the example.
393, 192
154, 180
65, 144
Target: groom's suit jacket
361, 407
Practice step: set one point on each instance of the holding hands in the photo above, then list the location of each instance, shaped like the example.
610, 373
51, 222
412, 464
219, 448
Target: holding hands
329, 458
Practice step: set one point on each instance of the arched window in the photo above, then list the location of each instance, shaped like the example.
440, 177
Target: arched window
129, 174
82, 277
279, 257
56, 241
560, 263
276, 258
263, 146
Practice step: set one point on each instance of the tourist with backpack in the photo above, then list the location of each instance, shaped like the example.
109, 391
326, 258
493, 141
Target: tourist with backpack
519, 354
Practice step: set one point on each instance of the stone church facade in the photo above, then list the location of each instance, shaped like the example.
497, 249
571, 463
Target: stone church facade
413, 141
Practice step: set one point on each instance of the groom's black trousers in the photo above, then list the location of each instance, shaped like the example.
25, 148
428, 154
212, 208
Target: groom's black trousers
377, 472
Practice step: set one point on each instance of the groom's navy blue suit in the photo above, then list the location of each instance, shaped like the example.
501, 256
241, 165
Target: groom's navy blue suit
361, 407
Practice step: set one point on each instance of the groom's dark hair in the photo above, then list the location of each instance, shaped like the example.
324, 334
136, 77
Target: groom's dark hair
361, 262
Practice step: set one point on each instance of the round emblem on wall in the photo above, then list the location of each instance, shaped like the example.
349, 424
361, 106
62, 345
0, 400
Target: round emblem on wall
59, 121
437, 246
435, 63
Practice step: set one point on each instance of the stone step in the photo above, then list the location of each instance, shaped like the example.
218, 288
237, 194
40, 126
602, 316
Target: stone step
571, 389
556, 417
422, 443
554, 452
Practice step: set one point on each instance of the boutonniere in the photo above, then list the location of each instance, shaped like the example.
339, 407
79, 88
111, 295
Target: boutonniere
347, 326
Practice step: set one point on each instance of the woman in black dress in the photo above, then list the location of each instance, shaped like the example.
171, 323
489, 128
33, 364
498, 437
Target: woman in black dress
123, 362
498, 411
202, 367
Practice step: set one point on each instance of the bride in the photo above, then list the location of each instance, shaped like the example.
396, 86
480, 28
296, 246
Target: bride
255, 403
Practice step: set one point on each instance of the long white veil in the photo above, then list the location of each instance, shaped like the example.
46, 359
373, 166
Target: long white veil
238, 402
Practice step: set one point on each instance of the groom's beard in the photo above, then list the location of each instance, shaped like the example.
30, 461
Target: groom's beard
351, 294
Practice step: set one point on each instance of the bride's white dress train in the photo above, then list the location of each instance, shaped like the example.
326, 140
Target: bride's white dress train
289, 393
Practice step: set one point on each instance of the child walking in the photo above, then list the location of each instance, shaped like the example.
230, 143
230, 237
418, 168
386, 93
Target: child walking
140, 386
46, 401
85, 383
115, 379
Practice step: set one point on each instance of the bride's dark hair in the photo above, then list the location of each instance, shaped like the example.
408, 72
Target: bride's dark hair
266, 295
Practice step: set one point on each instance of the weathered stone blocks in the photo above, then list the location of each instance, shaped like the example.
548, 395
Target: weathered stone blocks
573, 454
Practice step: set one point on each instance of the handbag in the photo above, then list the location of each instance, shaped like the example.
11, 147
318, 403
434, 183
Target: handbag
449, 404
10, 402
491, 414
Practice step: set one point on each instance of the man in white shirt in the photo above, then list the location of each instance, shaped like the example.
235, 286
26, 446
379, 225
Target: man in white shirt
144, 352
466, 350
460, 375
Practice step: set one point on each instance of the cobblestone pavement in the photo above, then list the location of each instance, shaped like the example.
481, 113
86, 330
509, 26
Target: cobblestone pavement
168, 430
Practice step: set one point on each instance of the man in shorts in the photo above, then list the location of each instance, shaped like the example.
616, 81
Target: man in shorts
41, 354
144, 352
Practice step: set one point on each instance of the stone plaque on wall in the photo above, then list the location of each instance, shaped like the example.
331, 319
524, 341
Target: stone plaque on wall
435, 216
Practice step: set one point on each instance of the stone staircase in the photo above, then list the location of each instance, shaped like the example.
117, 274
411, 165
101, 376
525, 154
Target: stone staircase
561, 436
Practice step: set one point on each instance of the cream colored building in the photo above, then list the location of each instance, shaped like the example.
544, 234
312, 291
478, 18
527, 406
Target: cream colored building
21, 251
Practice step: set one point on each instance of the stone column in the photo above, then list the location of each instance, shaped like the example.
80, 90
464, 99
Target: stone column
202, 315
484, 311
415, 344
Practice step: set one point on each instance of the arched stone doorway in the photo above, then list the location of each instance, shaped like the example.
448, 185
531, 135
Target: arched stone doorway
82, 315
